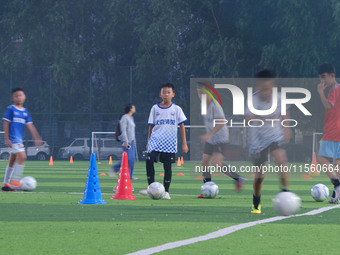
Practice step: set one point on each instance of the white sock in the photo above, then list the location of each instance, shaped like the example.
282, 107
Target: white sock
8, 174
18, 171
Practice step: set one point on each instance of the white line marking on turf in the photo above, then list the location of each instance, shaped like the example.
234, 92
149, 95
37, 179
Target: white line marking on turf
224, 232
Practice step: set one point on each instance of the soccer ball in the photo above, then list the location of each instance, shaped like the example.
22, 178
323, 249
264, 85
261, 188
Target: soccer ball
28, 183
156, 190
287, 203
319, 192
209, 190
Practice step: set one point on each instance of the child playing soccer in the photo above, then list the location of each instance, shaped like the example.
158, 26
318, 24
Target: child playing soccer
330, 145
267, 138
216, 142
162, 137
15, 119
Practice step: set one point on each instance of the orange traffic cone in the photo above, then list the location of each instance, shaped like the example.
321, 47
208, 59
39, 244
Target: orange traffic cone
124, 188
51, 161
314, 166
182, 160
179, 161
110, 161
71, 160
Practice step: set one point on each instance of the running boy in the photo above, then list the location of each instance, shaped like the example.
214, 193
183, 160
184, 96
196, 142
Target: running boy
162, 137
267, 138
330, 145
215, 141
15, 119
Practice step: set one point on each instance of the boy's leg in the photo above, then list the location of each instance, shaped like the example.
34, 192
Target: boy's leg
206, 158
167, 176
18, 168
258, 181
332, 175
280, 157
167, 159
218, 157
328, 150
151, 158
9, 169
336, 164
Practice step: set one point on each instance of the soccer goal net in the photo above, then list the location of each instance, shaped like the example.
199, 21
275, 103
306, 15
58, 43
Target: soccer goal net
104, 145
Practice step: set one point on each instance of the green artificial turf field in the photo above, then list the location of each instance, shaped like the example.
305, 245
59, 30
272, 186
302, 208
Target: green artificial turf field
49, 220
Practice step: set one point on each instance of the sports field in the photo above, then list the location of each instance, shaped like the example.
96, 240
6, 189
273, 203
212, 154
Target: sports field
50, 220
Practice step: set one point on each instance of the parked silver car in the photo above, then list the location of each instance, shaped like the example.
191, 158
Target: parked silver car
80, 148
40, 153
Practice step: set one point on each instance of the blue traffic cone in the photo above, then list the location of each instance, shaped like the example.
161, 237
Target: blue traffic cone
92, 192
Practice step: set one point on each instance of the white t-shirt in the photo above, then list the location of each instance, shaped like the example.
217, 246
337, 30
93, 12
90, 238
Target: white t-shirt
215, 111
259, 138
164, 134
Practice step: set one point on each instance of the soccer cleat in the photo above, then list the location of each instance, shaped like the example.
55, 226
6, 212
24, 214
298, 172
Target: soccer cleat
200, 196
332, 200
239, 184
256, 211
166, 196
143, 192
337, 195
134, 178
7, 188
16, 184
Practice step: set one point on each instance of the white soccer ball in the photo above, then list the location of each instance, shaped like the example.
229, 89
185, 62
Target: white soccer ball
209, 190
156, 190
287, 203
319, 192
28, 183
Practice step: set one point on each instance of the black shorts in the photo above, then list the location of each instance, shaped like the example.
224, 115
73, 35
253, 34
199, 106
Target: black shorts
209, 148
163, 157
262, 157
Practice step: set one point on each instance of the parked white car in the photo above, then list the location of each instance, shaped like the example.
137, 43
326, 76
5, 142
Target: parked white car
40, 153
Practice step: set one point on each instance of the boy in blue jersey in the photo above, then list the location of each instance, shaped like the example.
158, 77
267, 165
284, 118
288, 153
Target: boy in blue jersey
162, 137
15, 119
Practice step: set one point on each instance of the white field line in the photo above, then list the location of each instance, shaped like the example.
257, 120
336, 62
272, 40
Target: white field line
224, 232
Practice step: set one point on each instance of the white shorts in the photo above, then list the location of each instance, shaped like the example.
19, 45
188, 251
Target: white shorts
17, 147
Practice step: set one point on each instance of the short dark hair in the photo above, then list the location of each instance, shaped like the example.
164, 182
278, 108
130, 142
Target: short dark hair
167, 85
16, 90
326, 68
265, 74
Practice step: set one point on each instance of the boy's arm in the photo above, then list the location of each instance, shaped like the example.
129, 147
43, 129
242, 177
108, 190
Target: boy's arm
149, 134
207, 136
35, 134
184, 138
6, 131
324, 100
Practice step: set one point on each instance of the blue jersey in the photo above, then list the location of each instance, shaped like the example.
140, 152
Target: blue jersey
18, 118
